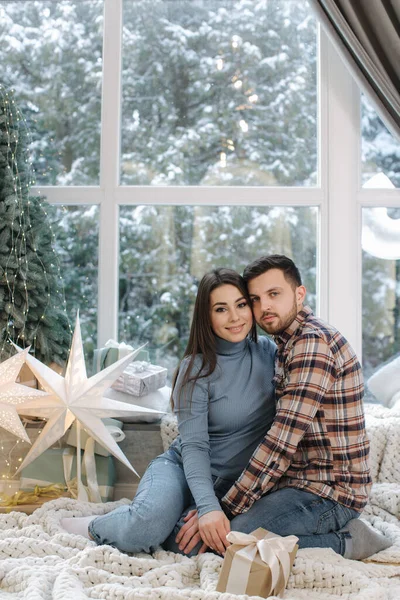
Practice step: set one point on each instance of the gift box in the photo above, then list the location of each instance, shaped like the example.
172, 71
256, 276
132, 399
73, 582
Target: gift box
111, 352
50, 467
257, 564
141, 378
114, 428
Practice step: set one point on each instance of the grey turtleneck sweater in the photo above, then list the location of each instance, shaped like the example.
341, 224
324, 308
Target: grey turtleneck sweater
229, 415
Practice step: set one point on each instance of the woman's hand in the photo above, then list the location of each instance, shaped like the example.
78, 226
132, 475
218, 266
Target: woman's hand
214, 527
189, 535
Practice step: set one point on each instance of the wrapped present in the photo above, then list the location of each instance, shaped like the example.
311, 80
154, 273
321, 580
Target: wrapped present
114, 428
257, 564
141, 378
111, 352
58, 466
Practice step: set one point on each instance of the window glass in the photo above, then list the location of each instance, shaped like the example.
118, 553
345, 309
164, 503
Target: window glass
76, 230
165, 250
219, 92
380, 150
51, 55
381, 287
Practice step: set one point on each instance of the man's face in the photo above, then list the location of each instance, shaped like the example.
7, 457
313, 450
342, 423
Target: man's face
275, 302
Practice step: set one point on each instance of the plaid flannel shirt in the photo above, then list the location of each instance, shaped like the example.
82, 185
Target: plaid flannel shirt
317, 441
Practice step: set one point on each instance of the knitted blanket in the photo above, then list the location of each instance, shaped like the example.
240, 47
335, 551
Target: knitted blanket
39, 560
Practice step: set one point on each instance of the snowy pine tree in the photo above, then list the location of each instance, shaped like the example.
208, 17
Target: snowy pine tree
31, 292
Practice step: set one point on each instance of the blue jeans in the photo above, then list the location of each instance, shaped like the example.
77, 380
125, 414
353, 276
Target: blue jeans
163, 499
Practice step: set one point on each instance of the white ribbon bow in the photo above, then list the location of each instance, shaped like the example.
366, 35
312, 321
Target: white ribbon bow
274, 551
122, 347
140, 366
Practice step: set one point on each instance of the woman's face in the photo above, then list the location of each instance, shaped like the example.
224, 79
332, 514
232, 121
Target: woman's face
230, 314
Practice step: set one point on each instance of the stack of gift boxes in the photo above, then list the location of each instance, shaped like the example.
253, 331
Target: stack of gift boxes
140, 378
140, 383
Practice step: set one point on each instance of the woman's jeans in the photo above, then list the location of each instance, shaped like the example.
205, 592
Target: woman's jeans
163, 499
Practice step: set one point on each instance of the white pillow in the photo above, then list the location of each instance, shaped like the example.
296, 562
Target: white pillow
385, 383
158, 400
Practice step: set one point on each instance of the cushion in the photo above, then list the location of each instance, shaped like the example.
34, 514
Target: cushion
385, 383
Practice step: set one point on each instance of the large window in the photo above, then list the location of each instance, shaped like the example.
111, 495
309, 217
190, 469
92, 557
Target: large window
380, 150
51, 55
76, 230
172, 136
381, 286
380, 242
219, 93
165, 250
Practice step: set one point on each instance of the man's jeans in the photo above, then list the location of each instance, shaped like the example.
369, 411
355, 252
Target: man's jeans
163, 499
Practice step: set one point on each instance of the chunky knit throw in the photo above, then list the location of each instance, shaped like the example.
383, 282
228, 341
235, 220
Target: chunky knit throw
39, 560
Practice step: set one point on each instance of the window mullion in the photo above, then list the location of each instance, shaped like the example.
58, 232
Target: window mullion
344, 216
109, 169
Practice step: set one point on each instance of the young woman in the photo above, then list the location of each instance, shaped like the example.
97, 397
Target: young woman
224, 400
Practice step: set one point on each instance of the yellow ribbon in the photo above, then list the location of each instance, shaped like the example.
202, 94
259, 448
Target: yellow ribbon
55, 490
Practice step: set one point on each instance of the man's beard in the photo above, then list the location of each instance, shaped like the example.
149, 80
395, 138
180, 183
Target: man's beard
282, 323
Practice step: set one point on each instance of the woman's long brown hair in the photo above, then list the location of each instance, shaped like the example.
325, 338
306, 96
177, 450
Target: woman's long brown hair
202, 338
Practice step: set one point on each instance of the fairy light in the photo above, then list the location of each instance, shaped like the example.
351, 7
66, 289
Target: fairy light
12, 453
222, 158
220, 64
235, 41
243, 125
21, 230
253, 98
238, 84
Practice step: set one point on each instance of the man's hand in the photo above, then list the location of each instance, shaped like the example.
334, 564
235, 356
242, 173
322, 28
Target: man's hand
214, 527
189, 535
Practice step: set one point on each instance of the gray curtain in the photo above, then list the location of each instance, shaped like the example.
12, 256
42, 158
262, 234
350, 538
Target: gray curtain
366, 34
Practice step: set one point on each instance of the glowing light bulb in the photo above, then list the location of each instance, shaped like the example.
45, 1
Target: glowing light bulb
220, 64
238, 84
235, 41
243, 125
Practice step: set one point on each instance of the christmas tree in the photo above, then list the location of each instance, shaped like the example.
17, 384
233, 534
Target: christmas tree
32, 303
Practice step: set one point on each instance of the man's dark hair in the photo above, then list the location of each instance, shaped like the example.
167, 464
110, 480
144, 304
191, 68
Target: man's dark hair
274, 261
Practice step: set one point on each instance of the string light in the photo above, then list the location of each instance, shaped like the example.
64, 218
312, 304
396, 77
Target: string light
21, 223
11, 455
235, 41
243, 125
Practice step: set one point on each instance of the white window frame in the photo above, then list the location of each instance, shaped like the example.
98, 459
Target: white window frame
338, 196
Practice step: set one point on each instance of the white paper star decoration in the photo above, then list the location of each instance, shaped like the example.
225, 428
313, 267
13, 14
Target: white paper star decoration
76, 397
13, 395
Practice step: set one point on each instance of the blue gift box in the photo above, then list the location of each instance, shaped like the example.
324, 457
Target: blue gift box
104, 357
48, 468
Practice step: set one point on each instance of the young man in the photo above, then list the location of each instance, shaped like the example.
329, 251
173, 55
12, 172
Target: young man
309, 476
